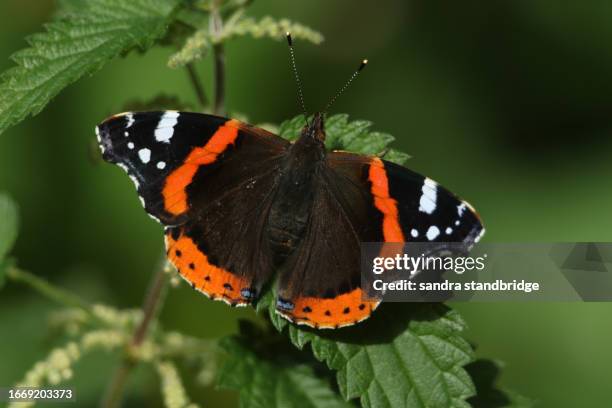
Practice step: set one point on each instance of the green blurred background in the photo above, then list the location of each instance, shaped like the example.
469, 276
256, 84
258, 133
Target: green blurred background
507, 103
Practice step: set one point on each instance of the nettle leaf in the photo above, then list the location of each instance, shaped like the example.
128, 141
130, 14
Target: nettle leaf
268, 374
266, 305
405, 355
290, 129
397, 157
77, 43
353, 136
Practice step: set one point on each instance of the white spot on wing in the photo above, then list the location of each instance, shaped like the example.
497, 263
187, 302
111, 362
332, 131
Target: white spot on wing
479, 236
130, 118
461, 209
130, 145
134, 180
161, 165
144, 155
414, 233
165, 127
449, 230
432, 233
427, 203
99, 139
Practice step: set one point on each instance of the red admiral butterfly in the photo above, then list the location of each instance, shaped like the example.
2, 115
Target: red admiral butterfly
241, 204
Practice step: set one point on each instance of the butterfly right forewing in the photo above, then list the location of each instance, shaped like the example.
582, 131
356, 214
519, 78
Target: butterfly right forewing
210, 180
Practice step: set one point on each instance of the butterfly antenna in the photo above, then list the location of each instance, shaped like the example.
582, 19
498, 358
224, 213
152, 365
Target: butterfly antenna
346, 85
297, 76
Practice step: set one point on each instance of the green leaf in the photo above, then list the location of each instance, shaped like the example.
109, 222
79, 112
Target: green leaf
291, 128
396, 157
354, 136
405, 355
485, 374
78, 43
9, 220
266, 304
268, 374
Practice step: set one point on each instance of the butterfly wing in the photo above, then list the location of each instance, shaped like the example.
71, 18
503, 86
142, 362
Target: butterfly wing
424, 210
362, 199
320, 283
223, 251
165, 153
199, 174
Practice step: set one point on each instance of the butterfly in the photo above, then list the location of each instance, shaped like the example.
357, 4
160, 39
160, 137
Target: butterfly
241, 206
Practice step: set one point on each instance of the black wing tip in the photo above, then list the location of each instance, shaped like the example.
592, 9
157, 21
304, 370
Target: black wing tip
113, 127
103, 136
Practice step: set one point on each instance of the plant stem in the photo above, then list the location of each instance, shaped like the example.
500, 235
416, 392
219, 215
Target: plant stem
152, 303
216, 27
150, 308
197, 85
46, 289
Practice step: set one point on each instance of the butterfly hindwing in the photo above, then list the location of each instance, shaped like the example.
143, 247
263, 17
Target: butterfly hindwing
320, 285
223, 249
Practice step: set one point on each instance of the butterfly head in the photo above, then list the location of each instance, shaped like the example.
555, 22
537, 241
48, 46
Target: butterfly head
316, 128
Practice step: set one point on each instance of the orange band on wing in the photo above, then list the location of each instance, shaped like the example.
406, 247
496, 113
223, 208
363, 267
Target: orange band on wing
214, 282
175, 196
392, 231
343, 310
